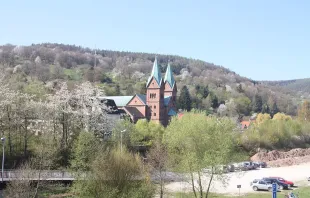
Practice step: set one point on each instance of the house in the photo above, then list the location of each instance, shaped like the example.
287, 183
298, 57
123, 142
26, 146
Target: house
245, 124
159, 103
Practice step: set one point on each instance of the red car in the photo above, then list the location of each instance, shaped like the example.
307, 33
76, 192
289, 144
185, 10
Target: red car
290, 183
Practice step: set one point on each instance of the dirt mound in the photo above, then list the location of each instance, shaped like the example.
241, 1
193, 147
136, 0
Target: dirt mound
279, 158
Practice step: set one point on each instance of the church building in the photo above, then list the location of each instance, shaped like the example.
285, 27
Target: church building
159, 103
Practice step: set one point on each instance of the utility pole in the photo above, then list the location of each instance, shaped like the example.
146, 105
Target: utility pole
123, 131
95, 56
3, 141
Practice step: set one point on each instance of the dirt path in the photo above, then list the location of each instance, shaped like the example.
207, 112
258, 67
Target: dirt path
296, 173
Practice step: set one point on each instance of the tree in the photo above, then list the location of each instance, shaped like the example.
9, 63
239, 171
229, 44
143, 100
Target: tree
118, 90
158, 160
114, 174
184, 100
265, 108
304, 111
240, 89
84, 151
262, 117
129, 90
281, 116
257, 103
273, 107
196, 142
146, 132
213, 100
242, 105
203, 91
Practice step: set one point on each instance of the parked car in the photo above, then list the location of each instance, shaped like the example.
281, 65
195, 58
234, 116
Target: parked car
250, 165
260, 164
290, 183
259, 184
244, 166
281, 184
231, 168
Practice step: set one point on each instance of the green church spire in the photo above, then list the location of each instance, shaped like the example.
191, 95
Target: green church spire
156, 73
169, 76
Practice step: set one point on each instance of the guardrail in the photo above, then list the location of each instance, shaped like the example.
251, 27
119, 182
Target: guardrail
10, 175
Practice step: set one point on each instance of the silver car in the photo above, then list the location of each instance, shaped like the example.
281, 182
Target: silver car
258, 184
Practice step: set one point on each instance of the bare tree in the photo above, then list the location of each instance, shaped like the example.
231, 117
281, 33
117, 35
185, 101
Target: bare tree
158, 158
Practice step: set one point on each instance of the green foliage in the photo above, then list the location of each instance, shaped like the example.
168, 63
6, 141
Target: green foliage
273, 107
73, 74
197, 141
257, 103
37, 89
145, 132
213, 100
84, 151
265, 108
304, 112
112, 91
184, 100
240, 89
202, 91
129, 90
113, 175
105, 79
276, 133
243, 105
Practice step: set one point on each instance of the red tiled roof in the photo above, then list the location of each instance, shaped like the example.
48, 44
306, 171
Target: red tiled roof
180, 115
245, 124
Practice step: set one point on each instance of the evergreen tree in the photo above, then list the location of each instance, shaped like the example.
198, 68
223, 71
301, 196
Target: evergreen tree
205, 92
257, 103
118, 90
239, 88
265, 108
129, 90
185, 101
213, 100
274, 108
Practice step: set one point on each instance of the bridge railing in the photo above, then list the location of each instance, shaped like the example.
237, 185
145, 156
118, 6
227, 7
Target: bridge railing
36, 175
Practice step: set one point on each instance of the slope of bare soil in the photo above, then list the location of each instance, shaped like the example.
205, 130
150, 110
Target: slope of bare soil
280, 158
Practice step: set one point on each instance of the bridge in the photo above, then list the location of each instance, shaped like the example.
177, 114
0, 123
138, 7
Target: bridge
35, 175
66, 176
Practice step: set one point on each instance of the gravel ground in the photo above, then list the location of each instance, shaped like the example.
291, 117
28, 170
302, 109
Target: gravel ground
297, 173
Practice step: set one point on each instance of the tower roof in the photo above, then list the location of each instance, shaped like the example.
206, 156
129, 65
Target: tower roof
155, 73
169, 76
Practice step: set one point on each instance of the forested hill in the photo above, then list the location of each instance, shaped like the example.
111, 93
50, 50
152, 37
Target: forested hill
34, 69
299, 85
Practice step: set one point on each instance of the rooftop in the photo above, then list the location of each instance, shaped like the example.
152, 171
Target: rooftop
120, 101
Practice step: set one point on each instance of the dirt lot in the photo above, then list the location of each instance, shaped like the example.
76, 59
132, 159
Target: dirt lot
295, 173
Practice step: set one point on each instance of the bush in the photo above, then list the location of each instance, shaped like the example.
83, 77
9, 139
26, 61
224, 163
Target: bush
276, 134
115, 174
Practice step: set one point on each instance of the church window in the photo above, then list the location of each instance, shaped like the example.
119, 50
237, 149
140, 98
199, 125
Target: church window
152, 95
154, 114
154, 106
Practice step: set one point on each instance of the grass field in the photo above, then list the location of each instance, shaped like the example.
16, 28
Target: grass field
303, 193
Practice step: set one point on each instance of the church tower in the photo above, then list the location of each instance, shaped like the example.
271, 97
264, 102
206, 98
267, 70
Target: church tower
170, 86
155, 95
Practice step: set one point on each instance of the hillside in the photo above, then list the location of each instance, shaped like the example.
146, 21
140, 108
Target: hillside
35, 69
302, 86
